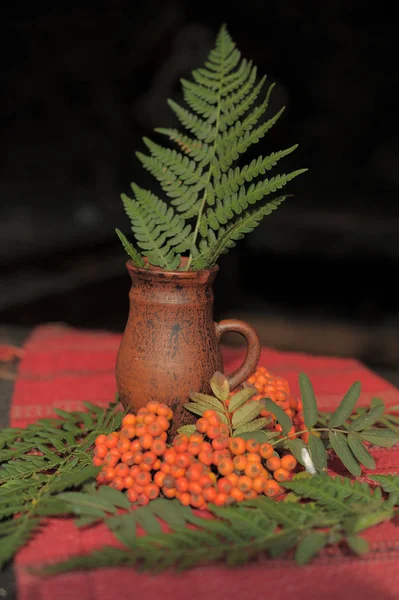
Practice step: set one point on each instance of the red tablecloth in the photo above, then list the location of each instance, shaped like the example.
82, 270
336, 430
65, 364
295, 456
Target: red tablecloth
63, 367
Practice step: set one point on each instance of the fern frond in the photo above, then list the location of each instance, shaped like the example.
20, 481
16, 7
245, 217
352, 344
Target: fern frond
229, 154
340, 495
130, 249
151, 237
201, 128
213, 246
224, 118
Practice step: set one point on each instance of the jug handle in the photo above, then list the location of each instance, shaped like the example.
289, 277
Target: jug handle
253, 349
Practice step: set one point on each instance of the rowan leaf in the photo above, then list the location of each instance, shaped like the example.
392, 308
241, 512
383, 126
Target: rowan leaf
280, 415
220, 386
380, 437
340, 446
309, 546
318, 452
206, 401
252, 426
310, 412
367, 419
361, 453
345, 409
246, 413
241, 397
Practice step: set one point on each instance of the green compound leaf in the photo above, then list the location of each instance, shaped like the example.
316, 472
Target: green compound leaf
279, 414
318, 452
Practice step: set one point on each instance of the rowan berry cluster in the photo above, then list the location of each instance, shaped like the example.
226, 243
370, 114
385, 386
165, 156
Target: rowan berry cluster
208, 466
278, 390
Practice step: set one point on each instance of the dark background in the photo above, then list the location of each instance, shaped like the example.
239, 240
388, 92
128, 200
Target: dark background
83, 85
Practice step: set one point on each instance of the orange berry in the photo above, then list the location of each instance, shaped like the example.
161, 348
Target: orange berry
123, 445
258, 484
169, 482
272, 488
288, 462
239, 462
152, 491
163, 436
202, 425
143, 499
149, 418
196, 437
141, 429
233, 477
253, 469
128, 420
117, 483
214, 420
225, 466
152, 406
180, 443
165, 468
176, 471
122, 470
157, 464
281, 474
137, 458
131, 495
143, 478
101, 451
128, 481
209, 494
266, 450
146, 441
213, 432
220, 443
139, 489
206, 458
101, 439
149, 458
134, 470
252, 446
162, 410
170, 456
236, 494
159, 478
145, 467
220, 499
209, 413
111, 460
169, 492
194, 488
101, 478
182, 484
155, 429
129, 432
217, 455
163, 422
169, 416
273, 463
183, 460
237, 445
244, 483
224, 485
185, 499
112, 440
305, 437
293, 401
206, 447
194, 448
128, 458
290, 412
253, 457
194, 472
224, 430
97, 461
197, 500
250, 495
206, 481
135, 446
109, 474
158, 447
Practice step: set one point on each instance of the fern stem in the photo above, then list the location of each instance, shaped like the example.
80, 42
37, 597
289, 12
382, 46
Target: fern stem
203, 201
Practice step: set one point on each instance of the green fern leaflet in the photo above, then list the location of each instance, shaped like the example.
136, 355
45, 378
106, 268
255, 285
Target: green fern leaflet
210, 203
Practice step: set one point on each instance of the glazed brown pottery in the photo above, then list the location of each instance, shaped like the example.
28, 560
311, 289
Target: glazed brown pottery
171, 343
